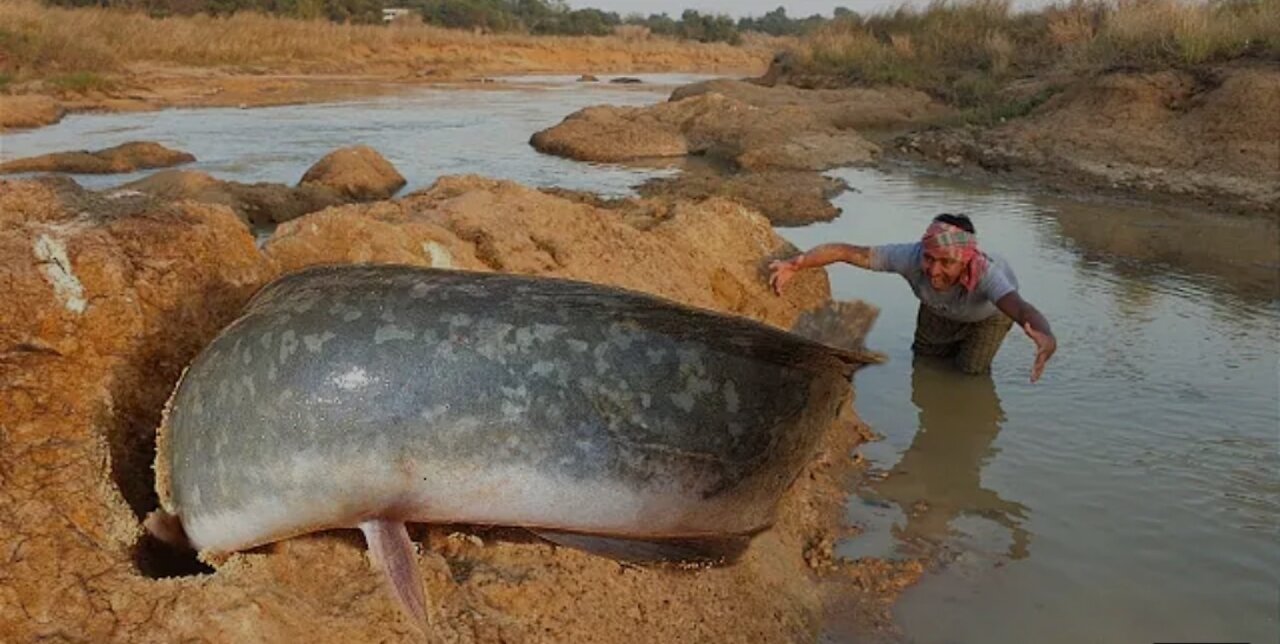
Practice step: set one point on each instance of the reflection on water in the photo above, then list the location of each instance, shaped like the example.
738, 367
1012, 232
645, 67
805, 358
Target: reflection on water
939, 477
1242, 253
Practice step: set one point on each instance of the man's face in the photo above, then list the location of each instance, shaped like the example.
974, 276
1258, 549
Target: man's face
943, 271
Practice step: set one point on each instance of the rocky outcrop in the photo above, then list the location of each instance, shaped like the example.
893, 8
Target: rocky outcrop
727, 129
787, 198
29, 111
104, 311
127, 157
756, 146
1209, 136
257, 204
857, 108
358, 173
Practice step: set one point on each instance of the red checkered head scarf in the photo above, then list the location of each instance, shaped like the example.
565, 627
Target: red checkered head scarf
948, 240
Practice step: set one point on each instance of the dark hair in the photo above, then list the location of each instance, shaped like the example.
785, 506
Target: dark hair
961, 221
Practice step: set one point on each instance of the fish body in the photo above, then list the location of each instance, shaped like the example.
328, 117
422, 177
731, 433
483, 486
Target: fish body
350, 394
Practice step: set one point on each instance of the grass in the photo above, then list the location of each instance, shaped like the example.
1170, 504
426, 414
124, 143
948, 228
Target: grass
965, 53
37, 41
81, 82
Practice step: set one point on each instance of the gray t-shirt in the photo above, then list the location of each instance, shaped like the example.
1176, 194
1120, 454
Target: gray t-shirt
955, 303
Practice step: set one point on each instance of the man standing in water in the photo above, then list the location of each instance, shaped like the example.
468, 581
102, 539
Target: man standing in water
968, 299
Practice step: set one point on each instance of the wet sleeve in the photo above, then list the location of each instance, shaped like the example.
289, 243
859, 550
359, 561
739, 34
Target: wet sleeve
893, 258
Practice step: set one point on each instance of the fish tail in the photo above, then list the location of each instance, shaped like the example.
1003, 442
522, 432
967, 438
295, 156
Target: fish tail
392, 552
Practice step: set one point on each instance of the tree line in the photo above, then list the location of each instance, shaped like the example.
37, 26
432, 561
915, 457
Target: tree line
549, 17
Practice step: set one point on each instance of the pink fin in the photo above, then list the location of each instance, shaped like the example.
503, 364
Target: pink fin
166, 528
393, 553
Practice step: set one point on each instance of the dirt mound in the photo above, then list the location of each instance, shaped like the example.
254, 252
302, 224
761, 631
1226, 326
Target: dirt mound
851, 108
1210, 136
257, 204
787, 198
754, 145
106, 311
29, 111
727, 129
127, 157
608, 134
358, 173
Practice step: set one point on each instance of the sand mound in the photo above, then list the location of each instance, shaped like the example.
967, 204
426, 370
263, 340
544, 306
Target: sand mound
1209, 136
127, 157
106, 310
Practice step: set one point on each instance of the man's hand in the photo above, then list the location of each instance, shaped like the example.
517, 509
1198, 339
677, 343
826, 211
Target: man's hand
782, 272
1046, 344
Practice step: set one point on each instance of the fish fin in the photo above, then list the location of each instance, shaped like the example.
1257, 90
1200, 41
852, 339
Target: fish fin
843, 325
167, 529
713, 551
392, 552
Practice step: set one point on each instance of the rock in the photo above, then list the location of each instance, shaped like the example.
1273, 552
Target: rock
258, 204
708, 124
625, 80
849, 108
128, 157
358, 173
382, 232
588, 78
29, 111
786, 198
103, 313
765, 149
611, 134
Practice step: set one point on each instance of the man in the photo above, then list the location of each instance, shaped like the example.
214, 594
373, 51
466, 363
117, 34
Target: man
968, 299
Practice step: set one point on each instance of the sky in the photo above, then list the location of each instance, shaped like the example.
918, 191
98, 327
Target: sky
739, 8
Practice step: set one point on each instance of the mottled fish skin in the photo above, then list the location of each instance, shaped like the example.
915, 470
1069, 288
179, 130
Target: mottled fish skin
345, 393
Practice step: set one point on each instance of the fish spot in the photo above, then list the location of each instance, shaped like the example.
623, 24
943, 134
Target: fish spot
511, 410
352, 379
656, 355
434, 412
683, 400
730, 397
547, 332
56, 267
315, 341
352, 315
542, 368
421, 290
578, 346
389, 332
247, 382
288, 344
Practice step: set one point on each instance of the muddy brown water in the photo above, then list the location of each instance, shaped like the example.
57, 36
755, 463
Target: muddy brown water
1131, 496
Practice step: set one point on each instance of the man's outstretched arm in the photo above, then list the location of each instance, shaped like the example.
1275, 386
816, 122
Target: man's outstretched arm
783, 270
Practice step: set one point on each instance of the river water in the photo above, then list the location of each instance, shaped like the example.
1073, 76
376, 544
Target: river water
1132, 495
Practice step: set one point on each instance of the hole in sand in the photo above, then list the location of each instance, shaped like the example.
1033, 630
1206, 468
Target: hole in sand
159, 560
